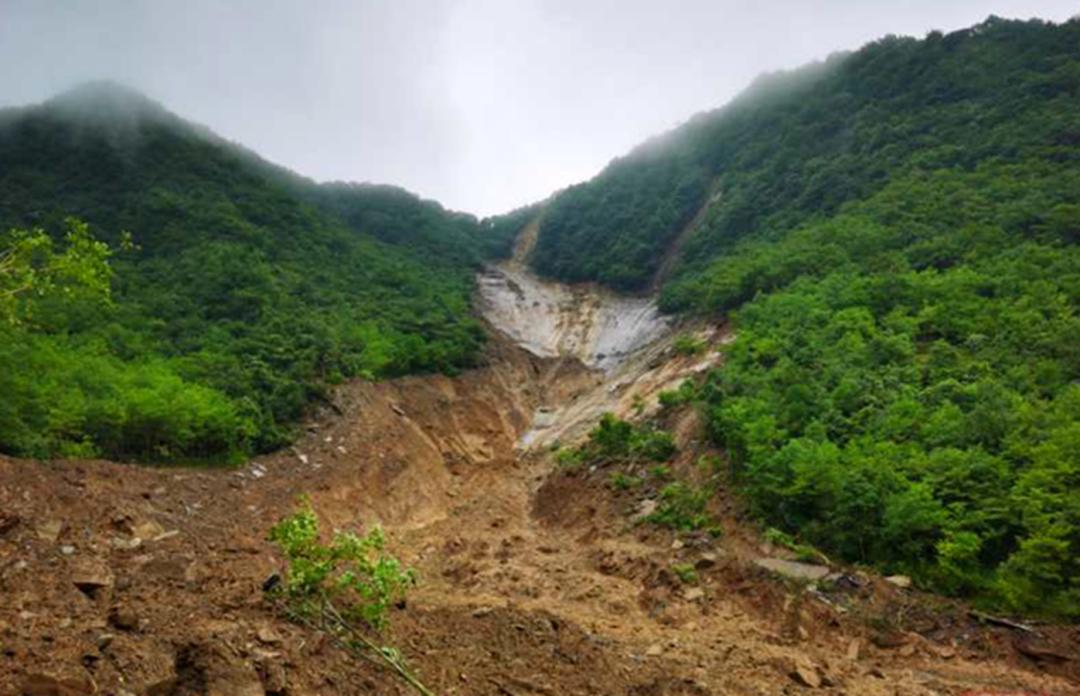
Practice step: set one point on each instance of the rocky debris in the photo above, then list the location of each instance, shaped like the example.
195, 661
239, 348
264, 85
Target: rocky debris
124, 618
267, 634
147, 530
125, 544
853, 649
648, 507
49, 530
793, 569
806, 673
707, 560
694, 594
1037, 650
889, 639
654, 650
901, 581
90, 576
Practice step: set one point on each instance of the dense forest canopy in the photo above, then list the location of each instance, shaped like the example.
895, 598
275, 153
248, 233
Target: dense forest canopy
245, 289
894, 233
799, 145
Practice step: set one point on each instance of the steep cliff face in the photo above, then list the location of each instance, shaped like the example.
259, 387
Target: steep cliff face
551, 319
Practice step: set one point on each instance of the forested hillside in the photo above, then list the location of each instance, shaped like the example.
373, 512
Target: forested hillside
894, 233
798, 145
244, 291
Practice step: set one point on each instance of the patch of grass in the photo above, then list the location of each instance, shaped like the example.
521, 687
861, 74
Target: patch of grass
803, 552
686, 573
624, 482
569, 459
661, 472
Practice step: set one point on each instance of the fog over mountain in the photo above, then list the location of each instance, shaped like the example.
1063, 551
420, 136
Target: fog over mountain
481, 104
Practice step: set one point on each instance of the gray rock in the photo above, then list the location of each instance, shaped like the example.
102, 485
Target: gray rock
793, 569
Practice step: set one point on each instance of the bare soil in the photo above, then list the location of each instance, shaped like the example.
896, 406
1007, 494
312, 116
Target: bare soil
534, 580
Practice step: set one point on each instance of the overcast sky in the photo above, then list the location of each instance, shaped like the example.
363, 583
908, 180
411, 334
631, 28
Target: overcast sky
481, 104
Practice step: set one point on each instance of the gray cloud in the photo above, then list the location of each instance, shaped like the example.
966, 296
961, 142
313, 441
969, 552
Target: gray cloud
481, 104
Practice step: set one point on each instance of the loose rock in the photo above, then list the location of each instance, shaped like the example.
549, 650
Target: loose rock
793, 569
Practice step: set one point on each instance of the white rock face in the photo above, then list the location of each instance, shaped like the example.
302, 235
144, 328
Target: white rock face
552, 319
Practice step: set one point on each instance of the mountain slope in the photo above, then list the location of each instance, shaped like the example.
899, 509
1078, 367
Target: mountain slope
249, 287
893, 235
798, 145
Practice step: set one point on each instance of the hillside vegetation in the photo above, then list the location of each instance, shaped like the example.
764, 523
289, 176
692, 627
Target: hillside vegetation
894, 232
245, 291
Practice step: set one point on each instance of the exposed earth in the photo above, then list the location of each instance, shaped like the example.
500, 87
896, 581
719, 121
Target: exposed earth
120, 579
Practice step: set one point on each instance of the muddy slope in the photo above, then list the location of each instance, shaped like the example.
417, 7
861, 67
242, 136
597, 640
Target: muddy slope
124, 580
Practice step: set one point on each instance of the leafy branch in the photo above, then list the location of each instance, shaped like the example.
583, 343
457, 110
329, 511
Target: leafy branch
344, 589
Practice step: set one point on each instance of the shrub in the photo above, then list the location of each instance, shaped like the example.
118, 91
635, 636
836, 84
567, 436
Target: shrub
687, 344
683, 508
341, 588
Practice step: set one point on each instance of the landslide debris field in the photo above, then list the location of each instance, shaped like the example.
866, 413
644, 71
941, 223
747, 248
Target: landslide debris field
534, 579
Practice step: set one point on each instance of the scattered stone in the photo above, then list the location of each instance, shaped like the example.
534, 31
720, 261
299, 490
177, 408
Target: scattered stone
67, 549
654, 650
49, 530
271, 582
648, 507
677, 544
397, 409
342, 450
793, 569
694, 594
889, 639
707, 560
482, 612
124, 619
147, 530
303, 458
806, 673
946, 652
91, 576
122, 544
166, 535
853, 649
266, 634
901, 581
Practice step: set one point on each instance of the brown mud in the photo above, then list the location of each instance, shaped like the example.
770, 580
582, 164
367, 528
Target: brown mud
119, 579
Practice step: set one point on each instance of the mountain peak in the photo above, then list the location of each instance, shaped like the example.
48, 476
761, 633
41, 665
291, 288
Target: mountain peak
106, 102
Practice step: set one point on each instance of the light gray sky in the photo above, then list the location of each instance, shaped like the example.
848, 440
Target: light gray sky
483, 105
